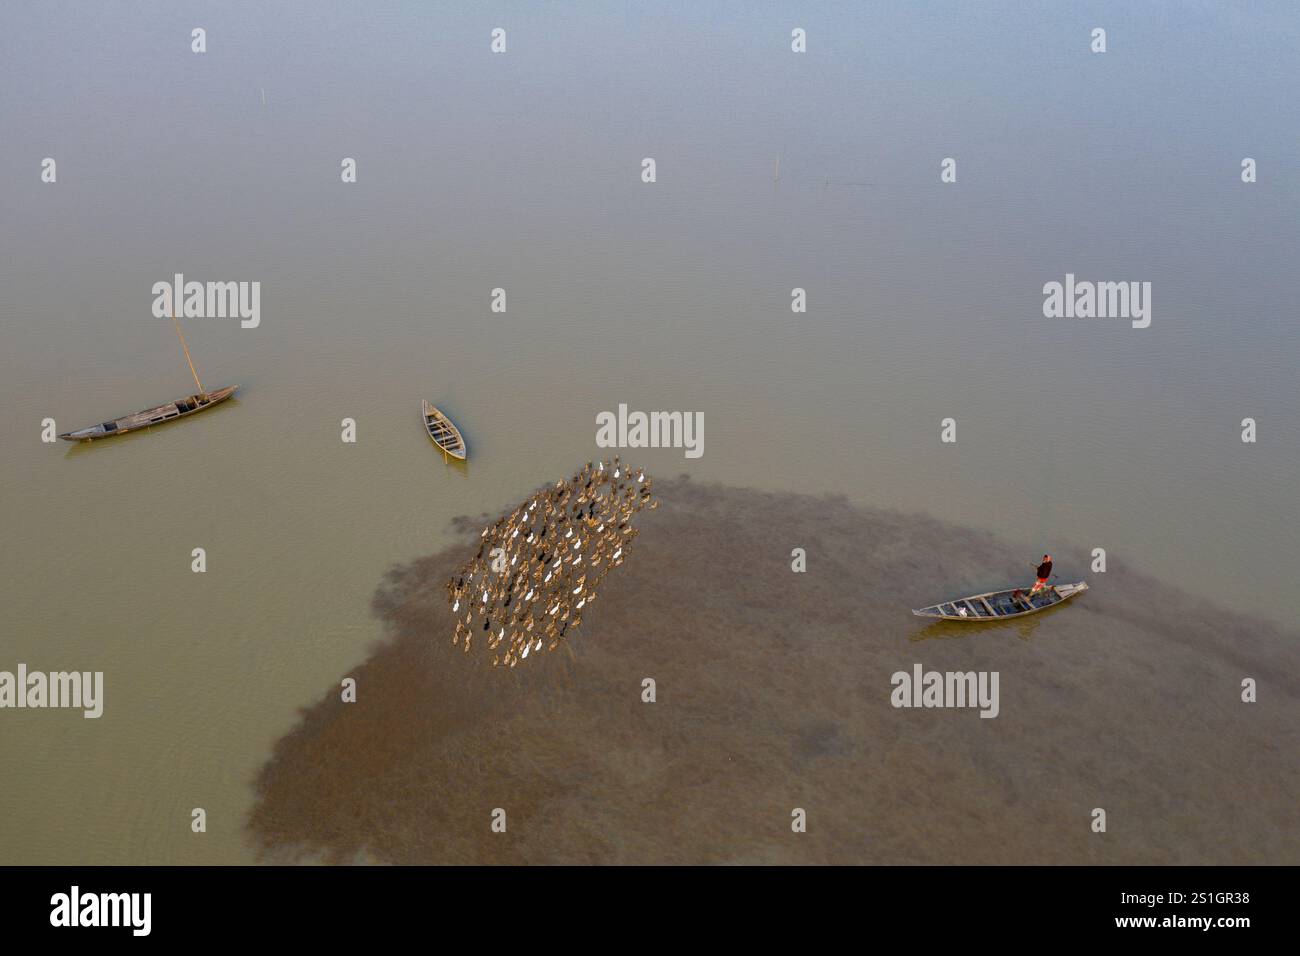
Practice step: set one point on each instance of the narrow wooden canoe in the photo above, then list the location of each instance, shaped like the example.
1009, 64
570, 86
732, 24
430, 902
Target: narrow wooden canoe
153, 416
443, 432
999, 605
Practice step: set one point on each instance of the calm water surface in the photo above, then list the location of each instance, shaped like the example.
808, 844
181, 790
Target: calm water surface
522, 171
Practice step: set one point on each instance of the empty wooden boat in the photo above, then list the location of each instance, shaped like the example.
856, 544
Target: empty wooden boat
999, 605
153, 416
443, 432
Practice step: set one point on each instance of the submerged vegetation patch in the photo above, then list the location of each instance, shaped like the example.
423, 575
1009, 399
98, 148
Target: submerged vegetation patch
771, 693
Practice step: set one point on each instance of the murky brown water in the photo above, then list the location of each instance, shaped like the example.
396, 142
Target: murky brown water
523, 171
773, 693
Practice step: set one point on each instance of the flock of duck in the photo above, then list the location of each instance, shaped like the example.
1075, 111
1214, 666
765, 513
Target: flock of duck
538, 568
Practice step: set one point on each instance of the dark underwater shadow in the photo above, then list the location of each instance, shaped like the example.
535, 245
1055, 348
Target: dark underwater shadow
1022, 627
773, 692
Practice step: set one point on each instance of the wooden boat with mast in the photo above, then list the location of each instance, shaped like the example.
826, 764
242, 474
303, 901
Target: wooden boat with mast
153, 416
444, 432
190, 404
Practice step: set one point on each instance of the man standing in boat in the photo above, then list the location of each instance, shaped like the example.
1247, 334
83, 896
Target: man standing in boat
1044, 573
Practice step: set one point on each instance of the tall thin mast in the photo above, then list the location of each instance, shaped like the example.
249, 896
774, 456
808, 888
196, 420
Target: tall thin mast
187, 353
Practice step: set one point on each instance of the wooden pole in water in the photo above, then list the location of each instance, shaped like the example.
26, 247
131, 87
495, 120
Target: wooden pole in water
186, 348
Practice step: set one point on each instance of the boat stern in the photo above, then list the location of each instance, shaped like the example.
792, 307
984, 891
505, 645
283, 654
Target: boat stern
85, 434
